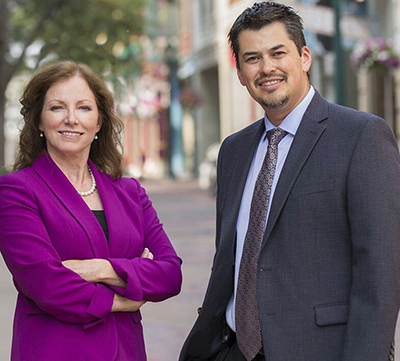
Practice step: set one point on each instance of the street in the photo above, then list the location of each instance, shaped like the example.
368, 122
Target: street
188, 214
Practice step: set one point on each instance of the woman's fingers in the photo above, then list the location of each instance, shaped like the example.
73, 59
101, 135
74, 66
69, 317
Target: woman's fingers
147, 254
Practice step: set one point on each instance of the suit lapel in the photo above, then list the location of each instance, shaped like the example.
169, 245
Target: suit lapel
307, 135
62, 189
242, 159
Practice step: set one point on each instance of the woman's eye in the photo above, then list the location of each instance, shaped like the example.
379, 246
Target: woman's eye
85, 107
56, 107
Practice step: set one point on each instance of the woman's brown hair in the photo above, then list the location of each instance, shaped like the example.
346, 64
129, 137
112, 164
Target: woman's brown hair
106, 152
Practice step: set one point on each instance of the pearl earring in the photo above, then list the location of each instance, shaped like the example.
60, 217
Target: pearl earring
96, 137
41, 135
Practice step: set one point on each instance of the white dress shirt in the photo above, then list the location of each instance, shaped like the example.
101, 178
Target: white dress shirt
290, 124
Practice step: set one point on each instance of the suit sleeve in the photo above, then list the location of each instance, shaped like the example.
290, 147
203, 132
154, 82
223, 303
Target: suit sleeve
150, 280
374, 216
36, 266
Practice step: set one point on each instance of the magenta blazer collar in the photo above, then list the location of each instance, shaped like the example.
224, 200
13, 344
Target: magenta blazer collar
62, 188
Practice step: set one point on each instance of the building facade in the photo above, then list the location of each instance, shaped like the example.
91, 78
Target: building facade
208, 66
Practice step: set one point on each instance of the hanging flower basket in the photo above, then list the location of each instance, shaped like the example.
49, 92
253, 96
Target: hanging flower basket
189, 98
375, 54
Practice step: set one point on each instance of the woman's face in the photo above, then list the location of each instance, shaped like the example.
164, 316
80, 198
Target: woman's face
69, 119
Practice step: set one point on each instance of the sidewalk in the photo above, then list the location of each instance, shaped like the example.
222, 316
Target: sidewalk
188, 214
7, 302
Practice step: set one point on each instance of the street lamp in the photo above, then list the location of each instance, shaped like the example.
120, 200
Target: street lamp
177, 163
339, 68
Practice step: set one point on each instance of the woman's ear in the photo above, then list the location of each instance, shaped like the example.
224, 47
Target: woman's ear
99, 123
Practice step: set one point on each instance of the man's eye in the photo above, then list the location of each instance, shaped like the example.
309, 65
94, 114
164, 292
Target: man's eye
252, 59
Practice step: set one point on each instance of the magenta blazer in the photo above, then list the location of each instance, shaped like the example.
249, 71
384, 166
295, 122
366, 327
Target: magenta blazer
59, 316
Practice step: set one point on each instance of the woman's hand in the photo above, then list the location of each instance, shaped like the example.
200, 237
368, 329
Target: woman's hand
122, 304
95, 270
99, 270
147, 254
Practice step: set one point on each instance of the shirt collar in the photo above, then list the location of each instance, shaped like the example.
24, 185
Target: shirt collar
292, 121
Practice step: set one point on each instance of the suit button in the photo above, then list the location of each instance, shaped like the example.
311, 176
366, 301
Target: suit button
225, 339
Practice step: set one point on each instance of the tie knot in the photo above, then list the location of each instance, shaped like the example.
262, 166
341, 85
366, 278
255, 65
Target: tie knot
275, 135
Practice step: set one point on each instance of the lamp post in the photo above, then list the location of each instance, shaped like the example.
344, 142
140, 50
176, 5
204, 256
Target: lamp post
177, 163
339, 69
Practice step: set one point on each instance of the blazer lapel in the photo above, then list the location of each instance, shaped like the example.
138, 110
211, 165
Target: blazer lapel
307, 135
114, 212
62, 188
242, 159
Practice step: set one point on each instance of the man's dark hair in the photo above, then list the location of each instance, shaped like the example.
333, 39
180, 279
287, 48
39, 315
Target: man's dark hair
265, 13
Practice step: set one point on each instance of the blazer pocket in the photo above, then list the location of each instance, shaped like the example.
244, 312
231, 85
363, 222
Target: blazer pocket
30, 307
331, 314
136, 316
319, 187
35, 312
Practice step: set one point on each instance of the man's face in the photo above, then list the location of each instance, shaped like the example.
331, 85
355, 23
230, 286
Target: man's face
272, 70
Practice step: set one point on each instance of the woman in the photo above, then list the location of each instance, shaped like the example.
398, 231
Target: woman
84, 245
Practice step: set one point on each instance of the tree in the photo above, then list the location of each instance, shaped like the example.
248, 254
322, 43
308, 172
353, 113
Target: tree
95, 32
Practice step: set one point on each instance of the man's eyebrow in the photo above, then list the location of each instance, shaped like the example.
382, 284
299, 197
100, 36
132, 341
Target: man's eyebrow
250, 53
277, 47
274, 48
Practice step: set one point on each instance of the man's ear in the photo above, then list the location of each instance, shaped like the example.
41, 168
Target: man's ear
307, 59
240, 76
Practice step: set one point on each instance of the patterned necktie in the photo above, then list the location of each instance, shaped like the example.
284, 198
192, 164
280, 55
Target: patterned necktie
248, 332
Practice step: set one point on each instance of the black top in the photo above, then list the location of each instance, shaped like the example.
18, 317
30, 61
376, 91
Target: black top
101, 217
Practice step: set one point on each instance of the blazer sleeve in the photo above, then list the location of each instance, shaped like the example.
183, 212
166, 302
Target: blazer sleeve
35, 264
374, 216
150, 280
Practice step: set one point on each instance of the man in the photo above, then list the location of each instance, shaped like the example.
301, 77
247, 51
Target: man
307, 263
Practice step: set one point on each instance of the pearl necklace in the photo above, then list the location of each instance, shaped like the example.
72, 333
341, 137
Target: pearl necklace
92, 189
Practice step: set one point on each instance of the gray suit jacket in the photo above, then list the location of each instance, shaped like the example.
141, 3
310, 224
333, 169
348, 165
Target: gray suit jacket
329, 267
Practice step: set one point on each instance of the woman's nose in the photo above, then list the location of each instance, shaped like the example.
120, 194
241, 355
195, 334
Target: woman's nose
71, 117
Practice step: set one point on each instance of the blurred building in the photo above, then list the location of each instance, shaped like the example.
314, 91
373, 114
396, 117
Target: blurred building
145, 95
207, 66
185, 98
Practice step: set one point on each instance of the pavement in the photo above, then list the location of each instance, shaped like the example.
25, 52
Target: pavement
188, 214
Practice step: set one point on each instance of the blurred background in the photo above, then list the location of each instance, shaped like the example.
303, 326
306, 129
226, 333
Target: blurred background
174, 78
170, 68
